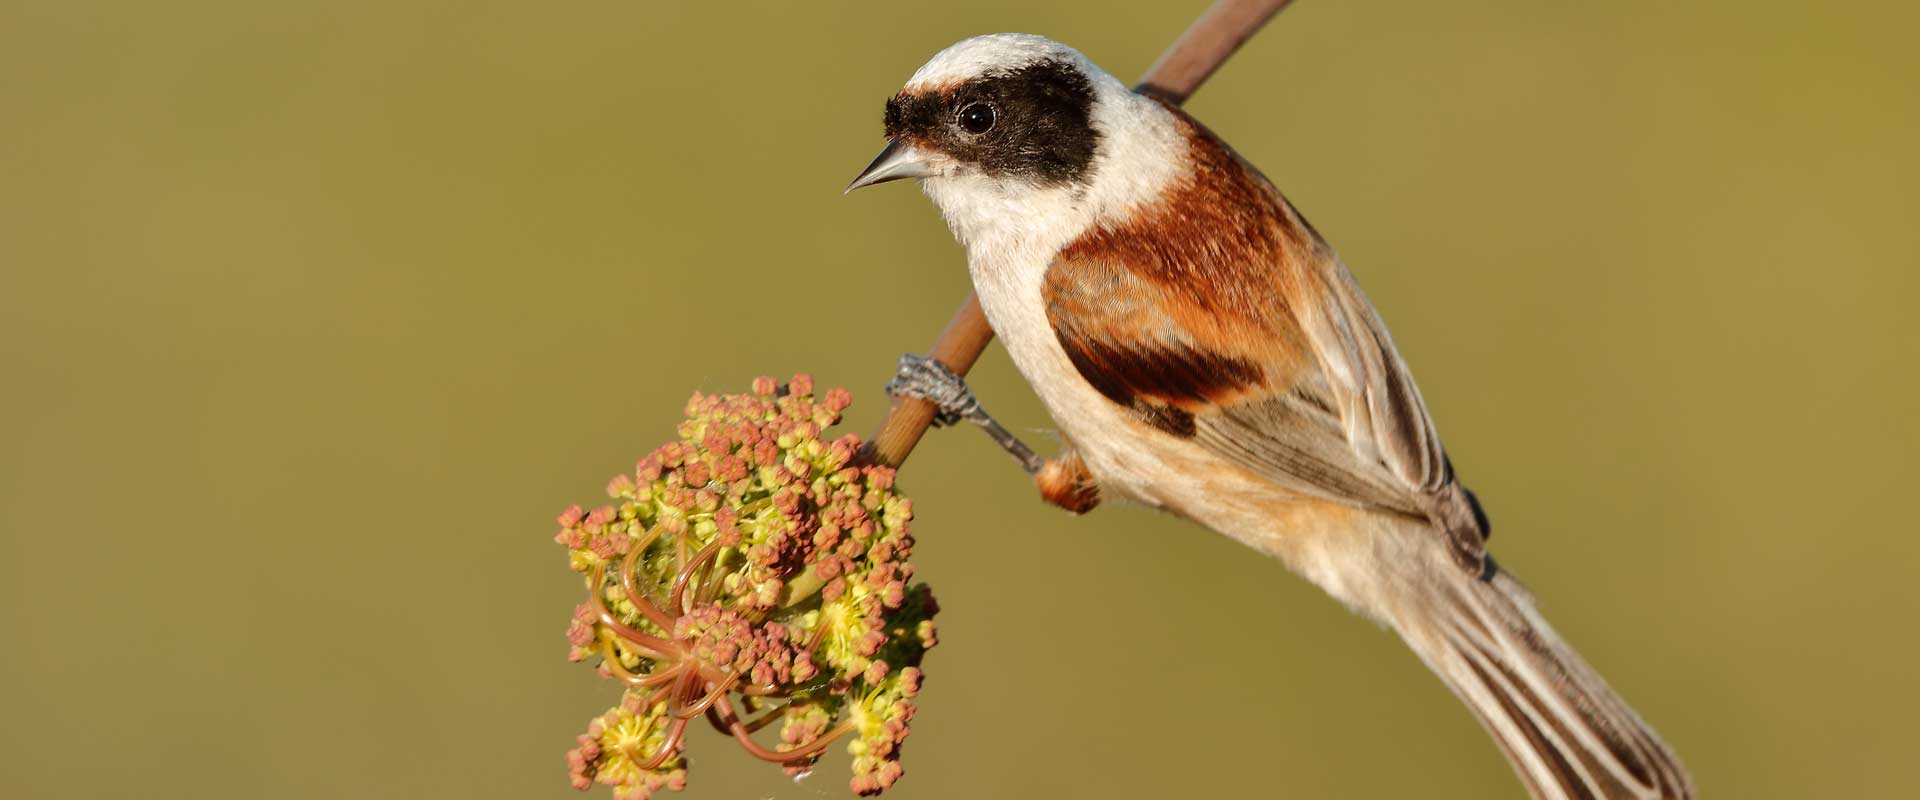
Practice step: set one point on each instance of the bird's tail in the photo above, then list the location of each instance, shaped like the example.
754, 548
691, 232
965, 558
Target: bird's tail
1567, 734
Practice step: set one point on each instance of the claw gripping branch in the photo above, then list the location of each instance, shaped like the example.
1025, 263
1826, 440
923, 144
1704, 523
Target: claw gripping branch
751, 572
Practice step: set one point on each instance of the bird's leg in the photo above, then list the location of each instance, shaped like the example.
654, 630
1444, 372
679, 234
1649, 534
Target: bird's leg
1063, 481
930, 380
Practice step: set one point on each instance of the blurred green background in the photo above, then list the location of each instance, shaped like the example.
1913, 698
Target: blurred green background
313, 316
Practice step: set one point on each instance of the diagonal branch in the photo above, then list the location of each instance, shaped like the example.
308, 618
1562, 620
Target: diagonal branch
1181, 69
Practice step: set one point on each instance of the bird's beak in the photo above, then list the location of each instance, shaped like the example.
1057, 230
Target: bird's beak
898, 160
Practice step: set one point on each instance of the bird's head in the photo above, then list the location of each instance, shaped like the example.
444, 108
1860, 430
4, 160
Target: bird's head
1015, 124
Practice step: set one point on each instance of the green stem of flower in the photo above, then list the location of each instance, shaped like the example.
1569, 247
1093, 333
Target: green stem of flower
649, 646
675, 730
802, 588
611, 658
700, 706
802, 753
676, 601
631, 586
765, 719
710, 579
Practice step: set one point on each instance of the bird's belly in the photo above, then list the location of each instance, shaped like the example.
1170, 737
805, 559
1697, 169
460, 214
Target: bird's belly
1126, 457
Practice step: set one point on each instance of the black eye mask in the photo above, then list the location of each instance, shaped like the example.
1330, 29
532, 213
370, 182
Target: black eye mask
1042, 123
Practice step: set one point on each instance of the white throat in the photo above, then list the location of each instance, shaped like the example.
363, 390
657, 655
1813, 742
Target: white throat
1141, 150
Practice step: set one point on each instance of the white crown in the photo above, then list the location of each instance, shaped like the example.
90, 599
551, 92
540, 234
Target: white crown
994, 52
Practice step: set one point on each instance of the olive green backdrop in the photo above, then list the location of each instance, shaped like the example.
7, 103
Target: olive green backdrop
313, 316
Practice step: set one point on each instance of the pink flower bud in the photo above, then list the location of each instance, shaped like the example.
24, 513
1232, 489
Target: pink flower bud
579, 634
888, 773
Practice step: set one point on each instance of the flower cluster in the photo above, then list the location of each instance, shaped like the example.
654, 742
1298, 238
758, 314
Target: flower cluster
752, 571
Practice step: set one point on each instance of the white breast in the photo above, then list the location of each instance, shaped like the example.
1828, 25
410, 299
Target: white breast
1009, 289
1012, 233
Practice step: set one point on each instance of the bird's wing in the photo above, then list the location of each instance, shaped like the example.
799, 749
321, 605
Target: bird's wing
1254, 394
1219, 316
1356, 377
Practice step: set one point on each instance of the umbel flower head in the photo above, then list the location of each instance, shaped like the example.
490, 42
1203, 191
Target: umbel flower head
751, 572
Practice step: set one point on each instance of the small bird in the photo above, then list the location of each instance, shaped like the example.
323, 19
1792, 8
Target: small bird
1204, 351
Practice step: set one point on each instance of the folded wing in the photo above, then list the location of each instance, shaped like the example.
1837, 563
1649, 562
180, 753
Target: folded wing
1219, 316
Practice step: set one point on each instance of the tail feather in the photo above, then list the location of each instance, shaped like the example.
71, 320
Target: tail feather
1567, 734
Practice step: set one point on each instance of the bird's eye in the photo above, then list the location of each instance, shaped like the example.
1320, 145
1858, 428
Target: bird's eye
976, 118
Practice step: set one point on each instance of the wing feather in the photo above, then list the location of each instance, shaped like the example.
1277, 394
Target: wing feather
1220, 316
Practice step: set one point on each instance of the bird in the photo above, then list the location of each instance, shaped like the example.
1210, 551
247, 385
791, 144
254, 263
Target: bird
1202, 350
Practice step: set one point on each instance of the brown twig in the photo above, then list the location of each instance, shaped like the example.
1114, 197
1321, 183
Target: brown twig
1205, 46
1181, 69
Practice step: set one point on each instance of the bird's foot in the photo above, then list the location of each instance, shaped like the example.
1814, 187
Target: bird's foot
923, 378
